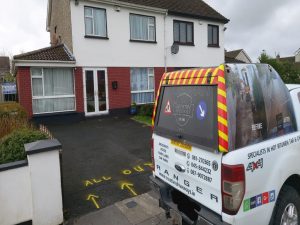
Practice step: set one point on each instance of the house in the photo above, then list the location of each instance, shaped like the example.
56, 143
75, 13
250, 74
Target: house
113, 53
295, 60
237, 56
4, 66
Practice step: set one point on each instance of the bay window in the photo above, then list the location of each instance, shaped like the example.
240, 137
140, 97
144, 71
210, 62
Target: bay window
52, 90
142, 85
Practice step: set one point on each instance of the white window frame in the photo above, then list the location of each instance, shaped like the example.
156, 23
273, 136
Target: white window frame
51, 97
93, 21
148, 28
150, 74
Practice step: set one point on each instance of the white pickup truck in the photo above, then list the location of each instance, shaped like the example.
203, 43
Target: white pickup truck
226, 146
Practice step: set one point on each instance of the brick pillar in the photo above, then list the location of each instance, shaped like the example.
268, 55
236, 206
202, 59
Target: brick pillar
121, 97
24, 89
79, 89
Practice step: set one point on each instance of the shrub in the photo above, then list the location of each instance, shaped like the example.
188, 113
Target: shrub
146, 110
12, 146
12, 116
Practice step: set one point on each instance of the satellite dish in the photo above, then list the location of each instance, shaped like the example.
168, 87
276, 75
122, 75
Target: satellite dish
175, 49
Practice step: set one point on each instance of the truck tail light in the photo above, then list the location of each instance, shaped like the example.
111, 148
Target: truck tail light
233, 188
152, 153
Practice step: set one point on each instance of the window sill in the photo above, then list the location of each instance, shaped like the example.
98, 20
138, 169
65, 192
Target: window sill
184, 44
141, 41
96, 37
213, 46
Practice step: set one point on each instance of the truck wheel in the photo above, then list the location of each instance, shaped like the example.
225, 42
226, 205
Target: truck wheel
287, 207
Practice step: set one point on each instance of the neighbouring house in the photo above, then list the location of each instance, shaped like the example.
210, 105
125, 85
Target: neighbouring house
237, 56
295, 60
122, 48
4, 66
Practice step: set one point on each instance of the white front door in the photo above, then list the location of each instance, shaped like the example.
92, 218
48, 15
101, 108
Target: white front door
95, 91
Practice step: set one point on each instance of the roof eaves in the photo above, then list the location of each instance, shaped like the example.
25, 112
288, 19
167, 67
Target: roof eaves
35, 51
176, 13
131, 5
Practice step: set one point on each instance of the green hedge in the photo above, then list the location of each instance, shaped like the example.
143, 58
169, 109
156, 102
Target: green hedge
146, 110
12, 116
12, 146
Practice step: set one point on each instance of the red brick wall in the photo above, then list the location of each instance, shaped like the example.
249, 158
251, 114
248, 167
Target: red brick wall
24, 88
158, 72
79, 89
121, 97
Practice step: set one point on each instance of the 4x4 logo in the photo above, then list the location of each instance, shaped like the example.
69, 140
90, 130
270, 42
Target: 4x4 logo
255, 165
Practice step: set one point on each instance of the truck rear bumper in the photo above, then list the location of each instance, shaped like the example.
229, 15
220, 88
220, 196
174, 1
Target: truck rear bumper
205, 215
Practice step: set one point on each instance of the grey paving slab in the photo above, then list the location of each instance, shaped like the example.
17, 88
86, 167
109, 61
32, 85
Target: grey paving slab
146, 209
110, 215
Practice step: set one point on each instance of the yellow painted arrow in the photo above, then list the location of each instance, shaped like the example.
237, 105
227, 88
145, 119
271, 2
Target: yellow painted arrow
93, 199
128, 186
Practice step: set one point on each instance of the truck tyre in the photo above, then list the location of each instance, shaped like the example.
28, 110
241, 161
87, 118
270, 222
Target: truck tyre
287, 207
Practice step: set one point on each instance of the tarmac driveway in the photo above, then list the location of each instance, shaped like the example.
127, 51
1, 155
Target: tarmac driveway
104, 160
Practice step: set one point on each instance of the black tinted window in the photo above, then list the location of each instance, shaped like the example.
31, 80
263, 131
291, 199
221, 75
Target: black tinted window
189, 113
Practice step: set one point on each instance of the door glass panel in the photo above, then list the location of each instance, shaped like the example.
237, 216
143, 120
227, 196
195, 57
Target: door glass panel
101, 90
89, 89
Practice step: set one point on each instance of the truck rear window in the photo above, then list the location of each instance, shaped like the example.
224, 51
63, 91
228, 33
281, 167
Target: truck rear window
188, 113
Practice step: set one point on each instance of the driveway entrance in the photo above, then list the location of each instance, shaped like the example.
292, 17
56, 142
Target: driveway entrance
104, 160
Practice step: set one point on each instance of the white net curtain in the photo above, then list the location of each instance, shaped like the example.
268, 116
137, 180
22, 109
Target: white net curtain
53, 90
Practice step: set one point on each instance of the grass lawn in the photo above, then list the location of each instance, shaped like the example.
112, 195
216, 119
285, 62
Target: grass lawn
143, 119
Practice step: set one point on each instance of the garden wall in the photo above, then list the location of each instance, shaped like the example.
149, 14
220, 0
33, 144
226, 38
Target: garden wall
30, 190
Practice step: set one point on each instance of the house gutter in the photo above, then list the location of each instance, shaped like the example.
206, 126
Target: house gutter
43, 63
129, 5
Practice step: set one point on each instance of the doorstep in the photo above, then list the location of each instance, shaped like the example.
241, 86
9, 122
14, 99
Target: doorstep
139, 210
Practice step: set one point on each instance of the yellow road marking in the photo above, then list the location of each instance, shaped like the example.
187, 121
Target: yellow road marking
92, 198
129, 187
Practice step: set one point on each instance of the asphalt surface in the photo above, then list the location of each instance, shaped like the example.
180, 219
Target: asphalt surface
104, 160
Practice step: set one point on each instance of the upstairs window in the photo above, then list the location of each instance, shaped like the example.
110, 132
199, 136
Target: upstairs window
142, 28
95, 22
183, 32
213, 36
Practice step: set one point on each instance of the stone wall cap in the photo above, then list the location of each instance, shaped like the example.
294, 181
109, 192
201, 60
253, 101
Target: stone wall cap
42, 146
13, 165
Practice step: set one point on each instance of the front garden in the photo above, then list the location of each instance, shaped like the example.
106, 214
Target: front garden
143, 114
15, 131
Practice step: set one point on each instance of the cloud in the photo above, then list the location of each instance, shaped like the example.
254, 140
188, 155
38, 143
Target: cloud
257, 25
23, 26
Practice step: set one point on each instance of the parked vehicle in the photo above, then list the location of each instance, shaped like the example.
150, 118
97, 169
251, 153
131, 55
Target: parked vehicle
226, 146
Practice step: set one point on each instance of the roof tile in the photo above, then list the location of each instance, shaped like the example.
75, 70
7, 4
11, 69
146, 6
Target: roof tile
190, 8
54, 53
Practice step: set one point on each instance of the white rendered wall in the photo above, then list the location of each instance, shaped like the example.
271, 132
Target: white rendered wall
46, 188
15, 196
32, 192
200, 54
118, 51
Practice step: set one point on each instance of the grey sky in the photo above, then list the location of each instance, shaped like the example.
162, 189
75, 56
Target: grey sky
256, 25
272, 25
